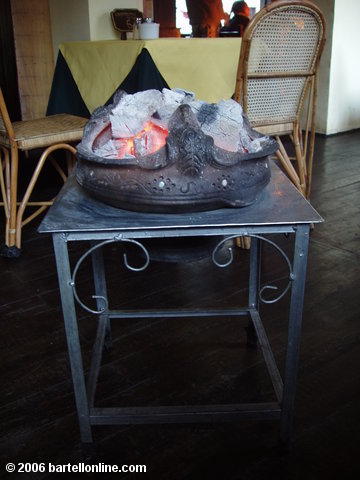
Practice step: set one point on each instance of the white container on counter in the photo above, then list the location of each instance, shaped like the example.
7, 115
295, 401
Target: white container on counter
149, 31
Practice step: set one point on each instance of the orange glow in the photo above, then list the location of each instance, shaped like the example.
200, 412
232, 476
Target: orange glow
151, 137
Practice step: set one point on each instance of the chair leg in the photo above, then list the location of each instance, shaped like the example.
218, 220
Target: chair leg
310, 164
13, 194
312, 140
300, 159
11, 179
243, 242
30, 188
5, 188
286, 163
70, 161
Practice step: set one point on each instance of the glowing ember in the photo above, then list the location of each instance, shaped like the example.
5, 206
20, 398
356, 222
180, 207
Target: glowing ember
147, 141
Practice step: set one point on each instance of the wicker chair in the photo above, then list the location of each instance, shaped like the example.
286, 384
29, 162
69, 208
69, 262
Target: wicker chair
48, 134
277, 80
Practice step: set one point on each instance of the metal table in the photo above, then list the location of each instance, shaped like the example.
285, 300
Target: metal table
75, 216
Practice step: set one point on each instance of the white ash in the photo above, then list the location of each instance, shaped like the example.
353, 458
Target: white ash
172, 99
108, 149
177, 96
222, 121
133, 111
143, 144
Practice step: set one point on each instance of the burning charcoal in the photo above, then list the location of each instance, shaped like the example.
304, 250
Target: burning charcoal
250, 145
188, 96
172, 99
116, 148
162, 116
140, 122
141, 144
130, 114
108, 150
207, 113
223, 122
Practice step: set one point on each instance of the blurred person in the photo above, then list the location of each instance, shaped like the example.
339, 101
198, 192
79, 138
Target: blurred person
239, 21
205, 17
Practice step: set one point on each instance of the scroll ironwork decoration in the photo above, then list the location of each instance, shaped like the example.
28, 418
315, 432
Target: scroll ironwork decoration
117, 238
265, 287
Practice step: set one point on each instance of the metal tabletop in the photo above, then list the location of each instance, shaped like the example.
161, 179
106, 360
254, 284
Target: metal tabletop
76, 211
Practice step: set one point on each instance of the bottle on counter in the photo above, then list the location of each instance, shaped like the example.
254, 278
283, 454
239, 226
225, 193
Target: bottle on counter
136, 31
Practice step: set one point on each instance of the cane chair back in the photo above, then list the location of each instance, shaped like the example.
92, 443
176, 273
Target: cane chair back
48, 134
277, 80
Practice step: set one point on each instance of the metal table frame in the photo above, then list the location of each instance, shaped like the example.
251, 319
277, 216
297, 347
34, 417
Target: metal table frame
76, 217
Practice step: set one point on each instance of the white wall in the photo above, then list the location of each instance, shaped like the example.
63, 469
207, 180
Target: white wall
69, 21
327, 8
344, 92
73, 20
101, 27
338, 106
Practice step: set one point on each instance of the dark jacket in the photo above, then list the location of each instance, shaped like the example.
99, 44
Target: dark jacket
237, 24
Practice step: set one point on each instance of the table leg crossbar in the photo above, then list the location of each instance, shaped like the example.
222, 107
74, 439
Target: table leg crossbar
281, 409
188, 413
184, 414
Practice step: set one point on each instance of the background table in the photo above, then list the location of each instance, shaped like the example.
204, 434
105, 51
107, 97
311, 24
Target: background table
75, 216
88, 73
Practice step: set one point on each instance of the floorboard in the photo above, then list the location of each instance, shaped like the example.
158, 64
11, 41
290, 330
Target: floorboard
182, 361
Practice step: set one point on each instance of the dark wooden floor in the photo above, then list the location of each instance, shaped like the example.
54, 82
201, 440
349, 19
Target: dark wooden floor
198, 360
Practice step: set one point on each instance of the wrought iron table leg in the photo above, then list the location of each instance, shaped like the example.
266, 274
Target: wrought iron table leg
254, 287
295, 320
100, 290
72, 335
103, 324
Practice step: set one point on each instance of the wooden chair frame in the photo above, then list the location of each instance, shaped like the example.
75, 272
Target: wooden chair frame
52, 133
258, 34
